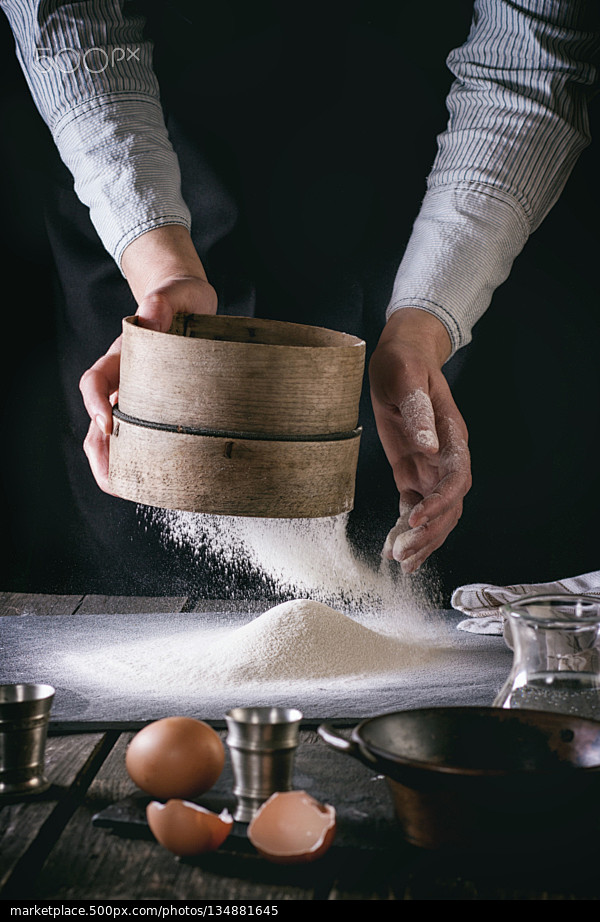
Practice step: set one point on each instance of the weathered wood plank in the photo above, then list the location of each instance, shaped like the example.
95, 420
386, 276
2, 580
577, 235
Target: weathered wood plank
126, 605
27, 603
235, 605
90, 863
21, 823
112, 783
450, 875
411, 874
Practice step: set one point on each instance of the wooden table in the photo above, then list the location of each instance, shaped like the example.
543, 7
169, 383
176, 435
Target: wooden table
51, 851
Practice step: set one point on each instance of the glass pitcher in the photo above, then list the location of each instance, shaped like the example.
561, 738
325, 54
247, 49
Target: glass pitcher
556, 664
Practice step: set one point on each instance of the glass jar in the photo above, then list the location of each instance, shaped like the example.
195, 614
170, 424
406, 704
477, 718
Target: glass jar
556, 664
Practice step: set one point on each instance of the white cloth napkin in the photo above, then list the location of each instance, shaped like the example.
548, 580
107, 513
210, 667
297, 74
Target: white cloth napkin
482, 601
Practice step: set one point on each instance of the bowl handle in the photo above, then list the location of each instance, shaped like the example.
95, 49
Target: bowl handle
341, 744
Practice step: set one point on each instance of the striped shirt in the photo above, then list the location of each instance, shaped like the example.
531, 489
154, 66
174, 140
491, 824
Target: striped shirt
517, 123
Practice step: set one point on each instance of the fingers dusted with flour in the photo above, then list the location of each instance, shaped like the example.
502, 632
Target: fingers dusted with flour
418, 417
422, 432
432, 519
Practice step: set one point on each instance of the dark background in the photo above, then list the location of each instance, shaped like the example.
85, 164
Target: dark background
528, 386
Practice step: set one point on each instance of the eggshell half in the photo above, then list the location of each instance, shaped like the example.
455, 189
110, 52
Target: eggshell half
186, 828
292, 827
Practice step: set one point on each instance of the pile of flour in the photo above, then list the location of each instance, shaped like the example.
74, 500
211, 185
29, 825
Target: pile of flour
294, 645
302, 639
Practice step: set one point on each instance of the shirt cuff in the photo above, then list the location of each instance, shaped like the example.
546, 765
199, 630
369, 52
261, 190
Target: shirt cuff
464, 242
124, 166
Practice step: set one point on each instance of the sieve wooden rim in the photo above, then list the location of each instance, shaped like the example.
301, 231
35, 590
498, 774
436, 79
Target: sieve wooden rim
338, 340
237, 434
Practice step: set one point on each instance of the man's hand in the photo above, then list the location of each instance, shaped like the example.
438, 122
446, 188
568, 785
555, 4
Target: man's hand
166, 276
422, 432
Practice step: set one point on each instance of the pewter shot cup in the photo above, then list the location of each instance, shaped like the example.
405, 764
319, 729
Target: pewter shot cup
262, 742
24, 716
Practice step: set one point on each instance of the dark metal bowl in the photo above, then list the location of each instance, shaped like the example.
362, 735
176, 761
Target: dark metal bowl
483, 777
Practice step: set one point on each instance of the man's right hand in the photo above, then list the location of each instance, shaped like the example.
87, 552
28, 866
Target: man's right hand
166, 277
422, 432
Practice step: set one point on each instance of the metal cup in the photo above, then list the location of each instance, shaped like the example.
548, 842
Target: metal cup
262, 742
24, 716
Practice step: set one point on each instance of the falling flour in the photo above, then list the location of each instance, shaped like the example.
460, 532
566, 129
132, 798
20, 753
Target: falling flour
294, 558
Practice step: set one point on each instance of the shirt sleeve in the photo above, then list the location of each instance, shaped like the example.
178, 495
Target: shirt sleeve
89, 69
518, 120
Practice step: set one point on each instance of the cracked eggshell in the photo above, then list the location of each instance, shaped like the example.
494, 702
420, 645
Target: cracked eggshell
186, 828
292, 827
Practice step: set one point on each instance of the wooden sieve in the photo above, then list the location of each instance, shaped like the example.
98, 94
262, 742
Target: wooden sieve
238, 416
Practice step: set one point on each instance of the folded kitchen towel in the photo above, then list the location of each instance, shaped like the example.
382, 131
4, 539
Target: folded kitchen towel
482, 601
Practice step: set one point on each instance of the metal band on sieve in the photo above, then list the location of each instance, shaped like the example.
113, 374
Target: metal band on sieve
231, 434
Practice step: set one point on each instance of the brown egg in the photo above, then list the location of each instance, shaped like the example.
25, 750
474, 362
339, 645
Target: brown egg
187, 829
292, 827
175, 757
